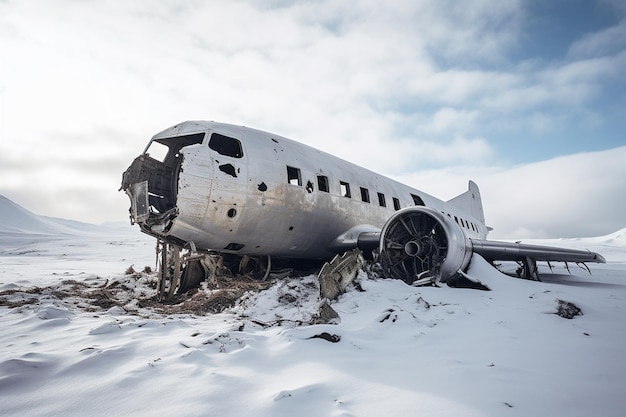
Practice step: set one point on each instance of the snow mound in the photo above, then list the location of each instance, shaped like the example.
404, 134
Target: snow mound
16, 221
294, 300
618, 237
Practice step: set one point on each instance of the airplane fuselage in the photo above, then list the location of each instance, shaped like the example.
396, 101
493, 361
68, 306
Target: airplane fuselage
220, 188
239, 190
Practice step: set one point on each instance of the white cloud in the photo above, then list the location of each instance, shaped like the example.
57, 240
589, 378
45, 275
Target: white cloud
450, 120
609, 41
395, 87
573, 196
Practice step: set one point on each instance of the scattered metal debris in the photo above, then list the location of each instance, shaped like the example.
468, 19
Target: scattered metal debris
567, 310
333, 338
326, 315
336, 275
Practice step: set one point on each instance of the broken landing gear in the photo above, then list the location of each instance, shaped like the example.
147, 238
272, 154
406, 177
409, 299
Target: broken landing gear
180, 273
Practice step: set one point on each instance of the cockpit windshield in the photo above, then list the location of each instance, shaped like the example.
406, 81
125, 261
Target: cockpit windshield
163, 148
157, 150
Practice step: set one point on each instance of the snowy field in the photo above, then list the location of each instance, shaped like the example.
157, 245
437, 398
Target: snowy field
75, 340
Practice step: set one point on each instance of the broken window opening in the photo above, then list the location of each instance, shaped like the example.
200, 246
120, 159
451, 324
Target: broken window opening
173, 145
381, 200
162, 175
322, 183
157, 151
365, 195
228, 169
396, 203
234, 246
225, 145
345, 189
417, 200
293, 176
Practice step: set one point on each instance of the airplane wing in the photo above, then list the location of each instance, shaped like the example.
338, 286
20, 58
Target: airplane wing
528, 255
507, 251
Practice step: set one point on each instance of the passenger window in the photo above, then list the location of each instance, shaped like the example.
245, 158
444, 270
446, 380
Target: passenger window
365, 195
381, 200
293, 176
322, 183
225, 145
417, 200
396, 203
345, 189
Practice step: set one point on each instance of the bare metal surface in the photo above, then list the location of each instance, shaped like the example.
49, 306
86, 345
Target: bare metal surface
508, 251
253, 193
336, 275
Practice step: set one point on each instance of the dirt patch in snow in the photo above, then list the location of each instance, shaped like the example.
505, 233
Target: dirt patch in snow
201, 301
136, 293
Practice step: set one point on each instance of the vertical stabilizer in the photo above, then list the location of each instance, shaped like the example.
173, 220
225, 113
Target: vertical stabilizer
470, 202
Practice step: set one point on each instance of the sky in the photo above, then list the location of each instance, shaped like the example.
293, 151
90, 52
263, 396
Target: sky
527, 98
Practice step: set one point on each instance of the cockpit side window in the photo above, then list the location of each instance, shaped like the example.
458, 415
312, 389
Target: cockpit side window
225, 145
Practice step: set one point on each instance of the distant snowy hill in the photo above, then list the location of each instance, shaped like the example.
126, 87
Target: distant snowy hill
15, 219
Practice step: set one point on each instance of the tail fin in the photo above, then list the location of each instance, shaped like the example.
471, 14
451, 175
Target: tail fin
470, 202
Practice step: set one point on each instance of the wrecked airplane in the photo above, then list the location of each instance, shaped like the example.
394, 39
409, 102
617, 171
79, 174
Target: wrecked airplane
251, 196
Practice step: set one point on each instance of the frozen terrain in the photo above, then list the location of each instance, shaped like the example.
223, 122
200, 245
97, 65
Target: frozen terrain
78, 336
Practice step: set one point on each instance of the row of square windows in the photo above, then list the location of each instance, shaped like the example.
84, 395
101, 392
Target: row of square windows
232, 147
295, 178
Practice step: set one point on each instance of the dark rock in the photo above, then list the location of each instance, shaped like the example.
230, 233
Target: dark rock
567, 310
333, 338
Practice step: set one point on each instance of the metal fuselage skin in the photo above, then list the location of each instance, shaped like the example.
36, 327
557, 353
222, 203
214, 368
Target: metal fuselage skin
279, 197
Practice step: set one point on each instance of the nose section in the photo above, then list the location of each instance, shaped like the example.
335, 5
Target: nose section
151, 188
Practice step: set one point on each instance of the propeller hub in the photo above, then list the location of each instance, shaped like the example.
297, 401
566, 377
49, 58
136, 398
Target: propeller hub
415, 248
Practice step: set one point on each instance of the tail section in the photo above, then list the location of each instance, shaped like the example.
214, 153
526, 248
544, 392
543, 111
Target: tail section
470, 202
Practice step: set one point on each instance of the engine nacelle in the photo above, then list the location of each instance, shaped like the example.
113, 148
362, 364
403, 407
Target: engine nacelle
422, 244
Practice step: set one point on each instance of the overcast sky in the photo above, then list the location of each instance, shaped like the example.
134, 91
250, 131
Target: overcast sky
528, 98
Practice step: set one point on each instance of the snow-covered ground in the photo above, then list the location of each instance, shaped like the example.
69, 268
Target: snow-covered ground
72, 345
